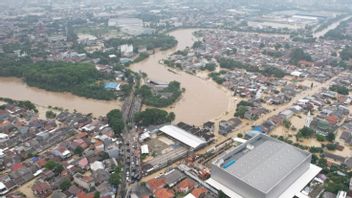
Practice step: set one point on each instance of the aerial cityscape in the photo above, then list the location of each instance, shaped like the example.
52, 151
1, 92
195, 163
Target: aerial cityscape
176, 99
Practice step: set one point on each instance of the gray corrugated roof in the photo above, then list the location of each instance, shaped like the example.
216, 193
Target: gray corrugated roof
266, 164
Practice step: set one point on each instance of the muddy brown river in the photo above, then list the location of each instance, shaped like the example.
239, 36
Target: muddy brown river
202, 100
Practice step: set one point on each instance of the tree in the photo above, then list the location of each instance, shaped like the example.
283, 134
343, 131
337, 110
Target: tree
50, 114
115, 121
222, 195
210, 66
339, 89
115, 177
330, 137
305, 132
65, 185
78, 151
287, 124
153, 116
97, 195
54, 166
240, 111
297, 55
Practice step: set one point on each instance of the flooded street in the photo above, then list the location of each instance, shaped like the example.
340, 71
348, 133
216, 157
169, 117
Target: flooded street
15, 89
202, 100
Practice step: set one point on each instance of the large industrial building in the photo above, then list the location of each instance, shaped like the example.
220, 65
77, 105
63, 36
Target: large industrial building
194, 142
263, 167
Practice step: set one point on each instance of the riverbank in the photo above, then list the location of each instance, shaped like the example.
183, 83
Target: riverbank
202, 101
16, 89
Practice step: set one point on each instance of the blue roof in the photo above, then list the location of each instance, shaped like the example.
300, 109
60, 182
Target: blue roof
111, 85
258, 128
253, 133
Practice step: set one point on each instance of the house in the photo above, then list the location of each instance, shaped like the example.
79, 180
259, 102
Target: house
156, 183
83, 163
185, 185
97, 165
173, 177
164, 193
41, 189
58, 194
199, 192
85, 195
105, 189
62, 152
85, 182
209, 126
226, 127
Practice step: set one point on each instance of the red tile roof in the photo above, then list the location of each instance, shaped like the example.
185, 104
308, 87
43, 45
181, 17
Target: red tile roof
156, 183
16, 167
164, 193
85, 195
197, 192
332, 119
185, 185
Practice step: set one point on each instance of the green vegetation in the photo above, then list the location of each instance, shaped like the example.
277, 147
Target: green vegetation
78, 78
331, 147
115, 177
222, 195
305, 132
65, 185
115, 121
273, 71
320, 138
314, 149
339, 89
50, 114
153, 117
78, 151
154, 41
297, 55
162, 98
141, 57
197, 44
229, 63
275, 54
210, 66
346, 53
54, 166
23, 104
216, 77
242, 108
330, 137
287, 124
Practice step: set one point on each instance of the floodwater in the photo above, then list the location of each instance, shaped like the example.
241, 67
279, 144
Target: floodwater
202, 100
15, 88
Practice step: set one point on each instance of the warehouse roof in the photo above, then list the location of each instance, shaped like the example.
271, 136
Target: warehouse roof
183, 136
262, 162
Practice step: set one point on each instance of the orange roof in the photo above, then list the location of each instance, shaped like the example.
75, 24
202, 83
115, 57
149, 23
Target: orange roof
156, 183
197, 192
164, 193
186, 184
41, 163
332, 119
82, 135
85, 195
